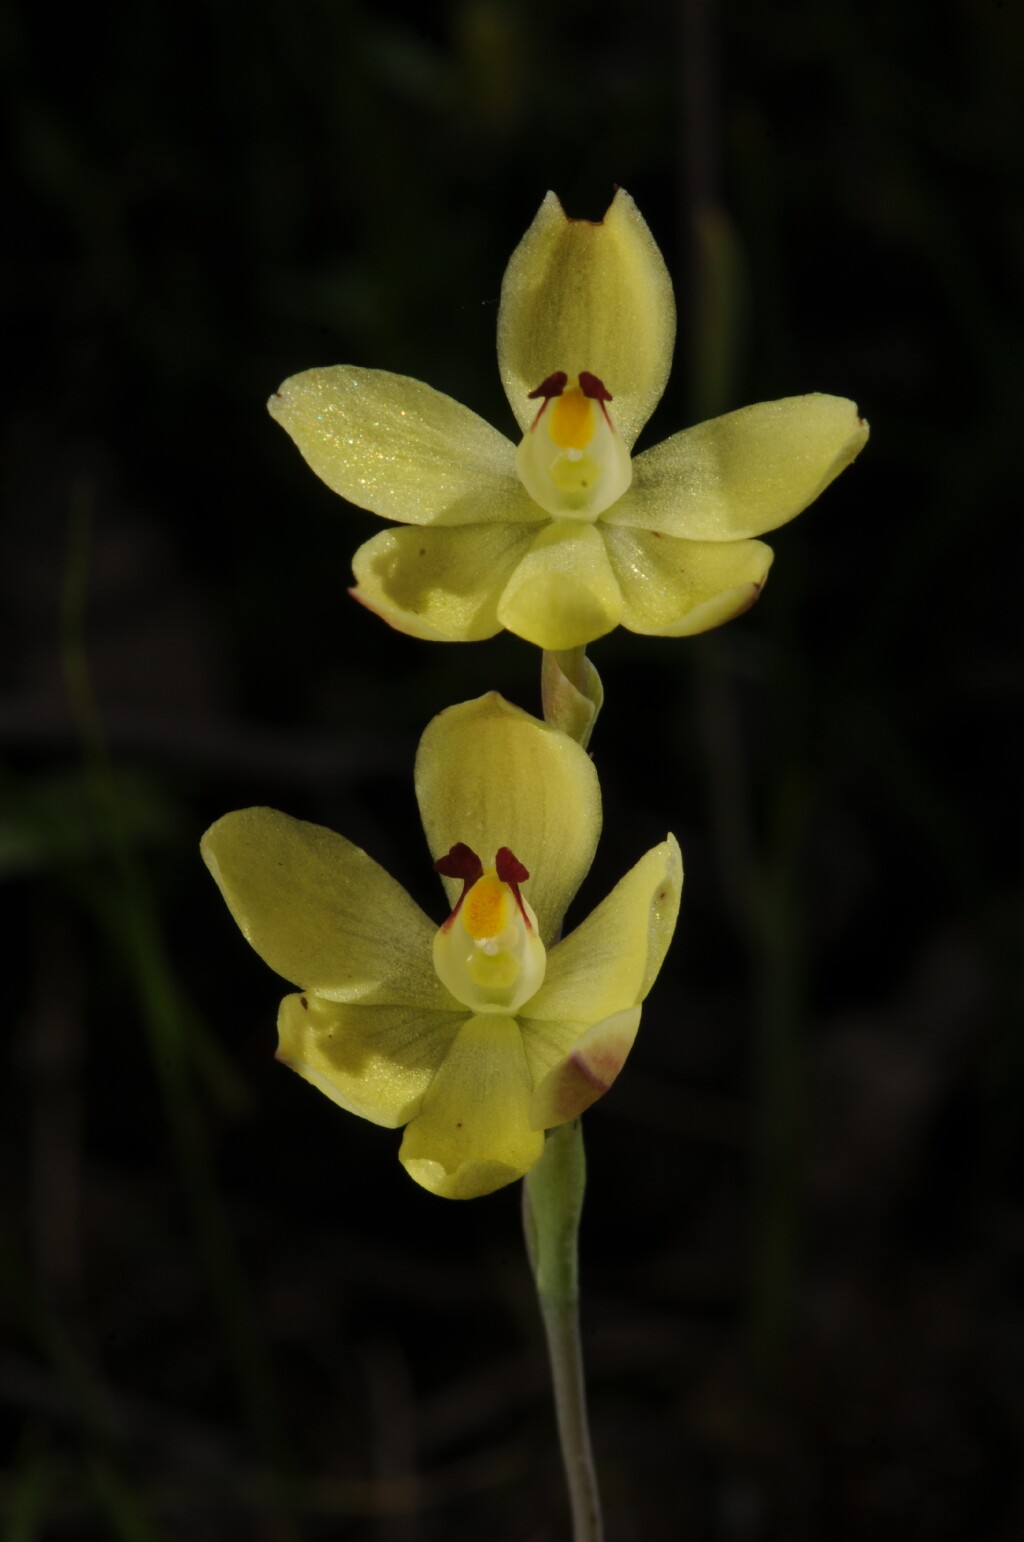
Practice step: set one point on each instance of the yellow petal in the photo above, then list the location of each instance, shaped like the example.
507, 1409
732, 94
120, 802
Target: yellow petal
401, 449
376, 1062
472, 1134
612, 958
490, 775
744, 473
587, 1071
441, 584
579, 295
675, 588
563, 593
321, 912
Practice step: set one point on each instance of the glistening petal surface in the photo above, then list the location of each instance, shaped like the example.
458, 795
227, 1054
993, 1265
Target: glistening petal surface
321, 912
610, 961
563, 593
490, 775
376, 1062
579, 295
473, 1134
401, 449
441, 584
744, 473
674, 588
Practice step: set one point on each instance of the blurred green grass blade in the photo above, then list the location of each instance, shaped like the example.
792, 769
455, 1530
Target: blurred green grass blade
43, 1331
86, 1395
120, 1505
30, 1491
50, 822
133, 926
51, 825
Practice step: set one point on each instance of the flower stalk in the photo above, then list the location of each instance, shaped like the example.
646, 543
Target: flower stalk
572, 696
552, 1206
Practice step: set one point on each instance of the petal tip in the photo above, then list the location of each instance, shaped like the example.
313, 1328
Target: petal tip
746, 601
471, 1180
587, 1072
279, 402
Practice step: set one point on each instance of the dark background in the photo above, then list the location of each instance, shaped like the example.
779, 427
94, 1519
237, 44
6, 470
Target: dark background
225, 1311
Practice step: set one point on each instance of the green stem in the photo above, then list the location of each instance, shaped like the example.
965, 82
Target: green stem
552, 1205
553, 1189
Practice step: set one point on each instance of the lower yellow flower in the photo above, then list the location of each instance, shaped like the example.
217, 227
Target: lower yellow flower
479, 1035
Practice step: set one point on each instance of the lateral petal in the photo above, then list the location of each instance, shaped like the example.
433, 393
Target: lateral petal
401, 449
321, 912
674, 588
563, 593
376, 1062
584, 295
744, 473
472, 1134
610, 961
441, 584
586, 1072
490, 775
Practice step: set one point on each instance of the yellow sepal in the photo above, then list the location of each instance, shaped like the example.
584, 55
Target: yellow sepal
321, 912
401, 449
744, 473
376, 1062
609, 962
579, 295
675, 588
440, 584
490, 775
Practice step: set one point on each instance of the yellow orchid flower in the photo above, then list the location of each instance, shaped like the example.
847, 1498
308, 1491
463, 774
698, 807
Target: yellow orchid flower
479, 1035
566, 536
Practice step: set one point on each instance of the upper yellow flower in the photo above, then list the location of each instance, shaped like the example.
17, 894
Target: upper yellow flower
480, 1035
565, 537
